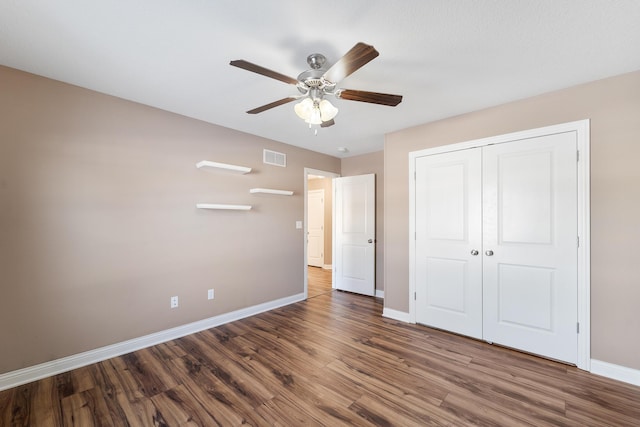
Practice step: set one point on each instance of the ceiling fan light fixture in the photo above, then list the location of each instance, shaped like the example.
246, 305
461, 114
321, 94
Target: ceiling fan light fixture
314, 112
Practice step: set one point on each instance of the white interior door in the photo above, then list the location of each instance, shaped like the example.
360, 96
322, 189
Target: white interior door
530, 243
315, 228
449, 241
354, 239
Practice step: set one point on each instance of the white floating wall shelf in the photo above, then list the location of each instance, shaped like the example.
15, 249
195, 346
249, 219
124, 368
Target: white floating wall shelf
223, 207
223, 166
271, 191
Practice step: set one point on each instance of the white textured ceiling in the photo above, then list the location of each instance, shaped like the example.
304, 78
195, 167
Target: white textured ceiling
446, 57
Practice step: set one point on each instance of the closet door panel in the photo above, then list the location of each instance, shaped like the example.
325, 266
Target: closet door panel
448, 231
530, 245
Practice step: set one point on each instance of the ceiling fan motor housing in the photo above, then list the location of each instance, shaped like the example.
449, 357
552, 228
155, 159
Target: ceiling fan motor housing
312, 79
316, 60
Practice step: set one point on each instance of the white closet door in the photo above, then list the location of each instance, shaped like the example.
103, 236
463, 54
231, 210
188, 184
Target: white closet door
530, 245
448, 234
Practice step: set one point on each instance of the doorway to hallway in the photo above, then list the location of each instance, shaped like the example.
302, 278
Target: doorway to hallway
318, 262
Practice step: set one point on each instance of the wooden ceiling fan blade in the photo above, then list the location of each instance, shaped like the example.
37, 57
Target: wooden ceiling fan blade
356, 58
327, 123
371, 97
272, 105
245, 65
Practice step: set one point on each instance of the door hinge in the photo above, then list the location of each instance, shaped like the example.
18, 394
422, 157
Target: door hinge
414, 175
415, 296
578, 327
415, 235
578, 241
578, 155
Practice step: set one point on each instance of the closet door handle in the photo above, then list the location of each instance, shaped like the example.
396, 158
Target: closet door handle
488, 253
474, 252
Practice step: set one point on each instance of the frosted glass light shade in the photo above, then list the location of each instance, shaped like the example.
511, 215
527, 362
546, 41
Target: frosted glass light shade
315, 118
303, 109
327, 110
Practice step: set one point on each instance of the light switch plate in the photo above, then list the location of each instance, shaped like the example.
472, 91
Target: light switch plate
299, 225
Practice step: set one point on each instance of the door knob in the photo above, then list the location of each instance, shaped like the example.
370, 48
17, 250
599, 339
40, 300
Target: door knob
488, 253
474, 252
370, 240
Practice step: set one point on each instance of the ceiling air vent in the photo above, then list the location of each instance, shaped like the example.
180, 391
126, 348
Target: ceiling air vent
274, 158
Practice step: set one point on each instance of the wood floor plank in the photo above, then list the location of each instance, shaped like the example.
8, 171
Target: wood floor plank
221, 402
517, 408
273, 372
22, 405
605, 392
588, 413
228, 371
282, 413
296, 384
118, 407
470, 414
331, 360
149, 413
424, 408
147, 378
495, 388
82, 379
76, 411
88, 408
180, 408
7, 407
378, 412
45, 410
123, 379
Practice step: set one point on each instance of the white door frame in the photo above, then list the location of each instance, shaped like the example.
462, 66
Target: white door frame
305, 228
581, 128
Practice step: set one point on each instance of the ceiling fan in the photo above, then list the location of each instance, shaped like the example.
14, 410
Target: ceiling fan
318, 82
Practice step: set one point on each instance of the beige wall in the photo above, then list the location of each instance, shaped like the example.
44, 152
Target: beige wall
326, 185
366, 164
98, 226
613, 105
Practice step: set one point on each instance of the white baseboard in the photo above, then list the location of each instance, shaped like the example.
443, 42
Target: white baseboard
615, 372
327, 266
396, 315
58, 366
379, 294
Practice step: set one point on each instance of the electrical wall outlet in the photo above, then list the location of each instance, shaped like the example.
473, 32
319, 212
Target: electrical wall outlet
174, 302
210, 294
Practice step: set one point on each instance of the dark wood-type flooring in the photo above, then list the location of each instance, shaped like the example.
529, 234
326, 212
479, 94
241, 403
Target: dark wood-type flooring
331, 360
